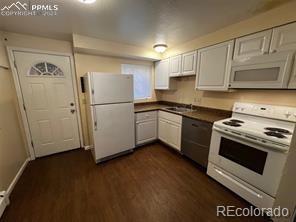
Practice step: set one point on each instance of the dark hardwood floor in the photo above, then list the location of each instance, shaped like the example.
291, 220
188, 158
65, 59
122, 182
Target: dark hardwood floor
152, 184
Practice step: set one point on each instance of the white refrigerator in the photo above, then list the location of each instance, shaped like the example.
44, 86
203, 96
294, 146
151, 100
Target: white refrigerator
110, 114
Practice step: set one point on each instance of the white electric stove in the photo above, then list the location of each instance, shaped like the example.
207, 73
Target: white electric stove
249, 150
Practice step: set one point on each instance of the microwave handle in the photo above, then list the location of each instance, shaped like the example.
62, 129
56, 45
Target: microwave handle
240, 136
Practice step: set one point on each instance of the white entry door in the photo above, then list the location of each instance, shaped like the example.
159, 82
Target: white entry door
48, 94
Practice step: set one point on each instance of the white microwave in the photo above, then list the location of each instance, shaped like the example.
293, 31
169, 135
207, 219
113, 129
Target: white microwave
265, 71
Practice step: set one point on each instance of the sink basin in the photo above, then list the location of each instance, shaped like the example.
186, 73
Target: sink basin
178, 109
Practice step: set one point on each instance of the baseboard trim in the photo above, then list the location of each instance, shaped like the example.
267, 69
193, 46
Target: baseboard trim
3, 202
4, 197
16, 178
87, 147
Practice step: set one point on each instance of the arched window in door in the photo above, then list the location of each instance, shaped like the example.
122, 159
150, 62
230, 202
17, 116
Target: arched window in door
45, 69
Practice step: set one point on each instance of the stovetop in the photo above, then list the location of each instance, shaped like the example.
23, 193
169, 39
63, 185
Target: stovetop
269, 130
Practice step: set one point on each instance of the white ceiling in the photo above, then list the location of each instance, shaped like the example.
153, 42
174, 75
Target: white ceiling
136, 22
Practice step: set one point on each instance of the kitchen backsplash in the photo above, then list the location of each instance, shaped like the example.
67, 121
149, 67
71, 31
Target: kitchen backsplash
187, 94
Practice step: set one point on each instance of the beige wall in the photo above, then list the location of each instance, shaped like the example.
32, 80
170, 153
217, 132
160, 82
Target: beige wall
185, 92
89, 45
12, 147
87, 63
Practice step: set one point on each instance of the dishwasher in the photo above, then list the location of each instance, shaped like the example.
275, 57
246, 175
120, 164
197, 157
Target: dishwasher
196, 138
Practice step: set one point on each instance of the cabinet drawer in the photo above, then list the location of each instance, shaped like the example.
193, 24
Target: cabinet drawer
170, 116
197, 131
146, 116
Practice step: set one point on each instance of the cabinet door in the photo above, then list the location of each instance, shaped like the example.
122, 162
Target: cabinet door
3, 56
174, 135
162, 74
189, 63
162, 130
146, 131
284, 38
252, 45
175, 65
213, 67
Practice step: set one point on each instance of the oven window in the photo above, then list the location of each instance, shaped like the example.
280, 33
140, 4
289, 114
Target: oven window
244, 155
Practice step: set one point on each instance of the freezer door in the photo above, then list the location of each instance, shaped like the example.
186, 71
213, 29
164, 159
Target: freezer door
114, 129
111, 88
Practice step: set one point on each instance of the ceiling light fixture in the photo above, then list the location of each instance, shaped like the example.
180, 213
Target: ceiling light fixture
87, 1
160, 48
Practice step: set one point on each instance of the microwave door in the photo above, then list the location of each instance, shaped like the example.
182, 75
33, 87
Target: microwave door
268, 71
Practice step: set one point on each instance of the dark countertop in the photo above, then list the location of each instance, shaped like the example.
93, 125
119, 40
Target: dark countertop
206, 115
200, 113
148, 107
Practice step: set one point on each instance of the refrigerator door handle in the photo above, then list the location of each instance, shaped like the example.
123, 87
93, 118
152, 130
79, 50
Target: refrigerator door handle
95, 119
92, 91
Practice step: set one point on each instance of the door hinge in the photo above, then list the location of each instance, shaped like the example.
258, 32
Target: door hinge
24, 106
93, 91
32, 143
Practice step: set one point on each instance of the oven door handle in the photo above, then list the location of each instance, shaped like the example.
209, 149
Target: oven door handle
238, 183
276, 147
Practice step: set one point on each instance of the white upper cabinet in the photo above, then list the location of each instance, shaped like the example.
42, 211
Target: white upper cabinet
284, 38
213, 66
162, 78
189, 63
175, 65
183, 65
3, 56
252, 45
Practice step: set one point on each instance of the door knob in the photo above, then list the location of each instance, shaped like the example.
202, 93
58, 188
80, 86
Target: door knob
71, 104
73, 111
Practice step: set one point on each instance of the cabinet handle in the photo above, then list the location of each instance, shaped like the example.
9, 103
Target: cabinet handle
273, 51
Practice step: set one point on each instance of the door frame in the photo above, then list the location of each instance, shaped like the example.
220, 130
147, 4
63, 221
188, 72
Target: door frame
20, 98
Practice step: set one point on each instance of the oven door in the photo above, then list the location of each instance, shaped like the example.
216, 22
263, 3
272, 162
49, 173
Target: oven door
253, 163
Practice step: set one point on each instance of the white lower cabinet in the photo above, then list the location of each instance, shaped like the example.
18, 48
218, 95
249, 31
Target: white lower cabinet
169, 129
146, 127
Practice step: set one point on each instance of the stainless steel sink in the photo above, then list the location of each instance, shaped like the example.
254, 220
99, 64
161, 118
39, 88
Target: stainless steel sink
178, 109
